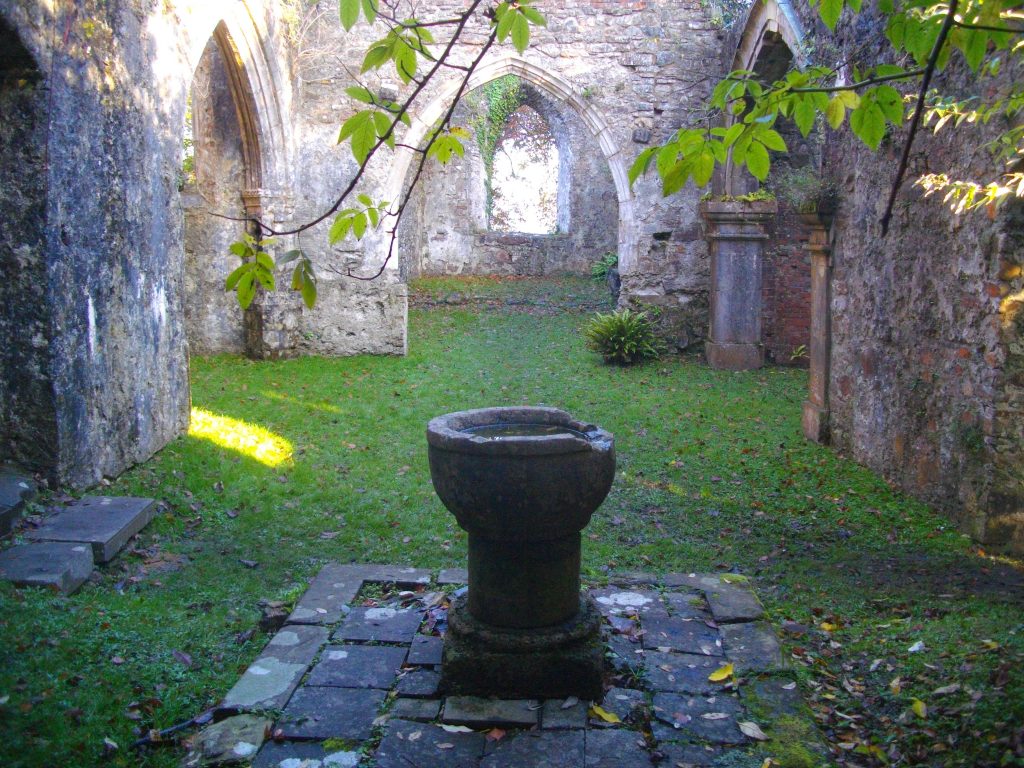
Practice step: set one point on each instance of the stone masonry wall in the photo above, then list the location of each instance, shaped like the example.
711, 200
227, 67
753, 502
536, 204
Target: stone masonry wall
786, 291
115, 356
925, 377
28, 429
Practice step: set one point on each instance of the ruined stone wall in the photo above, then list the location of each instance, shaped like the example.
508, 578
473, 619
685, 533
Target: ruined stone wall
447, 233
28, 429
115, 354
925, 377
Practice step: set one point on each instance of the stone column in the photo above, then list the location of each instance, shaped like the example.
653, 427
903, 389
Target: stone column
815, 413
736, 235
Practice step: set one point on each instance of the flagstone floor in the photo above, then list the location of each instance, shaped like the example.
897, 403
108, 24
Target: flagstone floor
695, 678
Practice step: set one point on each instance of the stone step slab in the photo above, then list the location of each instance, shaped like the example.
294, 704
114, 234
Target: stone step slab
62, 567
16, 490
477, 712
106, 523
269, 681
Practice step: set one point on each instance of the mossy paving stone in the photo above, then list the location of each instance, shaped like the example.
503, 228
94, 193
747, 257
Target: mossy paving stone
304, 754
358, 666
383, 625
619, 601
419, 710
327, 713
626, 657
732, 603
702, 718
556, 715
688, 605
681, 672
752, 647
408, 744
536, 749
615, 749
680, 755
683, 635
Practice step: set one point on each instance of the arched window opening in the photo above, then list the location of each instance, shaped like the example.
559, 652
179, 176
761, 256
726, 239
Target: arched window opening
524, 179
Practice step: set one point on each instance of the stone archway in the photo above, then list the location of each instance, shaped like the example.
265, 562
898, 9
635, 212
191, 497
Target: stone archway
559, 89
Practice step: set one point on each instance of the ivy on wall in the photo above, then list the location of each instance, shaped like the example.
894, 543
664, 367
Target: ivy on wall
493, 105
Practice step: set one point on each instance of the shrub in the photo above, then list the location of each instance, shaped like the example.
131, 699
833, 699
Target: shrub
599, 271
623, 337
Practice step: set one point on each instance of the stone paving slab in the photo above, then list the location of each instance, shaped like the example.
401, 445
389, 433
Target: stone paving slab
62, 567
425, 650
563, 714
617, 748
382, 625
628, 704
451, 576
419, 710
104, 522
327, 598
358, 666
681, 672
537, 749
752, 647
477, 712
665, 692
320, 713
304, 755
703, 718
16, 489
400, 575
233, 741
418, 683
407, 744
683, 635
269, 681
731, 603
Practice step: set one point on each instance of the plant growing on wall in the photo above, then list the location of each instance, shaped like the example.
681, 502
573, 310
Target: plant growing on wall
494, 103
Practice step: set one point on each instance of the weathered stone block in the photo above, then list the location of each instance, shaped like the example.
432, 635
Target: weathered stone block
62, 567
104, 522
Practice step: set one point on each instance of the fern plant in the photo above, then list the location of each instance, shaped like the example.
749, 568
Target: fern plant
599, 269
623, 337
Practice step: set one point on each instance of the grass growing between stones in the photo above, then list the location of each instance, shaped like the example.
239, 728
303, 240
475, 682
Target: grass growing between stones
884, 604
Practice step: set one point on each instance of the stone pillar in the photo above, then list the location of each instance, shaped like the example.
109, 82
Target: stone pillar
815, 413
736, 235
272, 325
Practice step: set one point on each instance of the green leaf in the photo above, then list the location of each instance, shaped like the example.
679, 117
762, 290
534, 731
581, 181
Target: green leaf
359, 93
266, 278
772, 140
370, 10
533, 15
339, 229
247, 289
505, 16
289, 256
804, 115
703, 168
264, 260
757, 161
868, 123
405, 62
359, 225
890, 102
236, 275
520, 33
365, 199
830, 11
374, 217
349, 12
377, 55
308, 290
641, 164
239, 249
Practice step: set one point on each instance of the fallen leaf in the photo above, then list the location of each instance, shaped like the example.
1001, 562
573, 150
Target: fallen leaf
829, 626
920, 708
753, 730
414, 735
445, 745
496, 734
895, 685
608, 717
117, 660
722, 673
714, 715
570, 702
916, 647
183, 657
249, 563
456, 729
946, 689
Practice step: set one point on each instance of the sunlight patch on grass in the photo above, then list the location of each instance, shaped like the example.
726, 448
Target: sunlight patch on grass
250, 440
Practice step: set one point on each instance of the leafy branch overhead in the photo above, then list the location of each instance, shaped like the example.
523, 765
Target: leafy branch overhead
410, 46
923, 36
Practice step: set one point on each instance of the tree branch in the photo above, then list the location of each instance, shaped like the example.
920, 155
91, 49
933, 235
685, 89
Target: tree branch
915, 121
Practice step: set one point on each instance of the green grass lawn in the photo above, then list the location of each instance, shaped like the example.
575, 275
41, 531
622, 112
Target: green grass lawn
713, 475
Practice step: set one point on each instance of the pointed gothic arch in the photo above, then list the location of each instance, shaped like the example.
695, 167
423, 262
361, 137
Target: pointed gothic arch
558, 88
